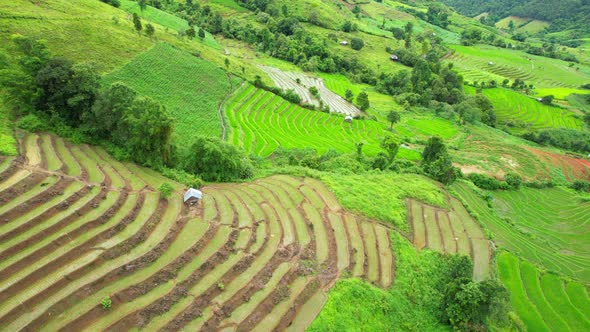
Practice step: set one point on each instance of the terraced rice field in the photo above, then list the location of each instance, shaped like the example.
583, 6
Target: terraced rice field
513, 107
497, 152
543, 301
473, 64
450, 231
262, 122
288, 80
77, 226
548, 227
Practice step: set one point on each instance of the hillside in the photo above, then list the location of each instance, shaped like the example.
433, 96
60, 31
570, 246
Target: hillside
313, 165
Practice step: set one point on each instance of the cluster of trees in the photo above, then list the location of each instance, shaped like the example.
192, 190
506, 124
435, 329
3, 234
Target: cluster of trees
52, 92
436, 14
568, 139
437, 163
468, 305
511, 181
114, 3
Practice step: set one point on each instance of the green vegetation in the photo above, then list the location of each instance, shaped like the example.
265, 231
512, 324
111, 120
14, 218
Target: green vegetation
382, 196
544, 226
106, 303
355, 305
190, 88
262, 122
520, 113
543, 301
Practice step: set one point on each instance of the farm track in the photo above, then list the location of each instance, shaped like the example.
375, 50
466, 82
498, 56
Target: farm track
450, 231
77, 226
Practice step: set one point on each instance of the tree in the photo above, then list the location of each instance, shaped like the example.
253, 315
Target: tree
390, 144
363, 101
201, 33
166, 190
108, 109
285, 10
142, 4
226, 62
149, 30
349, 95
393, 117
145, 131
437, 162
137, 22
548, 100
587, 119
215, 160
190, 33
357, 44
67, 89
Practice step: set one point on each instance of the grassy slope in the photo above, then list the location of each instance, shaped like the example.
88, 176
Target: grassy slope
382, 196
189, 87
354, 305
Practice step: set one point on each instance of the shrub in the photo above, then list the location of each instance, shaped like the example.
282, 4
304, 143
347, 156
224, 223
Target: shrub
513, 180
486, 182
178, 175
106, 303
215, 160
166, 190
31, 123
581, 185
357, 44
7, 145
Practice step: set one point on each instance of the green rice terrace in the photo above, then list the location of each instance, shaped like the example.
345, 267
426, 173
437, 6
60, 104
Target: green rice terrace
312, 165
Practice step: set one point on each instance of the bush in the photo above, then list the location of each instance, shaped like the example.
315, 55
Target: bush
31, 123
580, 185
166, 190
7, 145
106, 303
357, 44
178, 175
486, 182
513, 180
215, 160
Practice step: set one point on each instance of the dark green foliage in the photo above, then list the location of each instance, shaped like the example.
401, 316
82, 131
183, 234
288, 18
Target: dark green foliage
513, 180
362, 101
215, 160
357, 43
114, 3
149, 30
587, 119
66, 89
486, 182
349, 26
477, 108
437, 162
581, 185
137, 22
547, 100
107, 111
145, 130
190, 32
568, 139
393, 117
350, 96
201, 33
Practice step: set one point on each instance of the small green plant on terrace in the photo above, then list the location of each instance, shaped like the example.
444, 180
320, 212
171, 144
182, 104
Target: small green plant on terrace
166, 190
106, 303
221, 286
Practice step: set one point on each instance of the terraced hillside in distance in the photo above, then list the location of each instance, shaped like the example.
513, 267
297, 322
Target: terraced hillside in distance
544, 301
77, 227
572, 168
450, 231
300, 83
548, 227
262, 121
474, 64
523, 113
